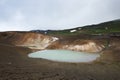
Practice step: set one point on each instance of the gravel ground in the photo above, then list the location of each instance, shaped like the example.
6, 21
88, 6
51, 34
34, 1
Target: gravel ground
15, 65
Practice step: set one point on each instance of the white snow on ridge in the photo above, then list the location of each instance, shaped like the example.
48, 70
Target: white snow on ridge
73, 30
79, 28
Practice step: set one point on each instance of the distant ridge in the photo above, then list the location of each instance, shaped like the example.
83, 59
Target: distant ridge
102, 28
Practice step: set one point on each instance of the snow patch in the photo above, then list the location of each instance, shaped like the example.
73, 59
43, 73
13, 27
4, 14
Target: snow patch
45, 32
79, 28
73, 30
55, 39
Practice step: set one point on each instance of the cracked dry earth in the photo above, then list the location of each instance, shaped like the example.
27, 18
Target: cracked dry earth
15, 65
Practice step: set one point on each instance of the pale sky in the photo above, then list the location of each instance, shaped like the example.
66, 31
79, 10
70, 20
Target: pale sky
55, 14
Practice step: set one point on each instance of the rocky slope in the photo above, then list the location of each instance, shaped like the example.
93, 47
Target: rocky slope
79, 45
108, 45
40, 41
91, 38
27, 39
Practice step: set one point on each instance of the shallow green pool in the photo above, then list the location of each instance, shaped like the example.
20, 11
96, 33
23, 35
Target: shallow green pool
65, 56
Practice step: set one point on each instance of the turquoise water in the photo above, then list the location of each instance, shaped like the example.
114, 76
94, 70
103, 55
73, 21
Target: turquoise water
64, 56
